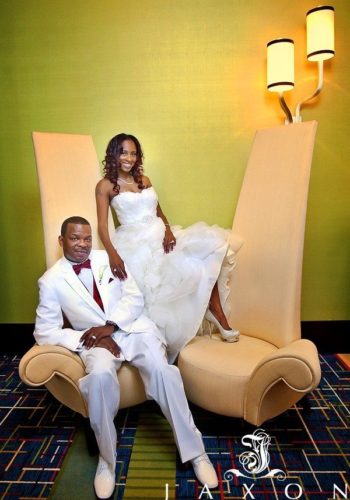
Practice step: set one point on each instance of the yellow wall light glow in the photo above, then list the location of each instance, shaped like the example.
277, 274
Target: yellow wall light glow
280, 65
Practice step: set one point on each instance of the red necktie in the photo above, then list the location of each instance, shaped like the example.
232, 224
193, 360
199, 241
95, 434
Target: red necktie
96, 294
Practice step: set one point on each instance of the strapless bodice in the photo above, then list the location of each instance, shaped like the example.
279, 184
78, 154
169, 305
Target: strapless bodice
133, 208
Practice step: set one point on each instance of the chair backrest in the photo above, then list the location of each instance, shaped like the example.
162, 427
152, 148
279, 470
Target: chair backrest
270, 216
68, 170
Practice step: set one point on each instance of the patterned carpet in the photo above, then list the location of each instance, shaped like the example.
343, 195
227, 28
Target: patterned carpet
35, 434
309, 445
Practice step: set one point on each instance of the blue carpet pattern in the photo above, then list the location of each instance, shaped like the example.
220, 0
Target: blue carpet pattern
310, 444
35, 434
126, 423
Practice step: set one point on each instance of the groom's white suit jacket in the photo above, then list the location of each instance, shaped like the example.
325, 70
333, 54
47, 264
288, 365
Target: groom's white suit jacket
62, 292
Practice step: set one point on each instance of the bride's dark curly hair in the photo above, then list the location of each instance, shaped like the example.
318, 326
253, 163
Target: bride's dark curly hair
111, 163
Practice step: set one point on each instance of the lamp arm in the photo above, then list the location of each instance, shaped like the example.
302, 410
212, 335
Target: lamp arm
285, 108
317, 91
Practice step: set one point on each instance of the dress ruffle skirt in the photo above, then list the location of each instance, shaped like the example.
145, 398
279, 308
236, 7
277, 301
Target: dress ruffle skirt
176, 286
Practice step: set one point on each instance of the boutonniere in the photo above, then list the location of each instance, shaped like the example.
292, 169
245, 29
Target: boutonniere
101, 273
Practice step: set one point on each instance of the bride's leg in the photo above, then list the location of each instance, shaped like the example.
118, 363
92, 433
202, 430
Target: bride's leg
216, 308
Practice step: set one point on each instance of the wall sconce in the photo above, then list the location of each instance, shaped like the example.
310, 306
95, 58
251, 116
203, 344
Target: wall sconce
280, 57
280, 70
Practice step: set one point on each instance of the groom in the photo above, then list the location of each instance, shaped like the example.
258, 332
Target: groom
108, 327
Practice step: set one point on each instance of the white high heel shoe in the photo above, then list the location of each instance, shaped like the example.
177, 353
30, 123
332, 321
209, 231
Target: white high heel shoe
228, 335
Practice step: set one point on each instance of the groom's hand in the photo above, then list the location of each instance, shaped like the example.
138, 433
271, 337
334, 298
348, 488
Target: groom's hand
109, 344
92, 336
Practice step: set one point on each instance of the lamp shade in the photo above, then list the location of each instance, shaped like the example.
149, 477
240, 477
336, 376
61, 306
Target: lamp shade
320, 33
280, 65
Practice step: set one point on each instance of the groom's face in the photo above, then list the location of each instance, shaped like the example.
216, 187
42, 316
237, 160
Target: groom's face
76, 242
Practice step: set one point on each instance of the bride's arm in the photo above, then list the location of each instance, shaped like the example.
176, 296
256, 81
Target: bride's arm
161, 214
169, 240
102, 193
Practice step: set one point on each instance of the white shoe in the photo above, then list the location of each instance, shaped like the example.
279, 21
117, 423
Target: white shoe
104, 482
228, 335
204, 470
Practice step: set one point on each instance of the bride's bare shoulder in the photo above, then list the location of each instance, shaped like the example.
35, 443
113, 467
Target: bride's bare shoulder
104, 186
146, 181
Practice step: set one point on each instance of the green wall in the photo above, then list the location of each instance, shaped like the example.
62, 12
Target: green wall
188, 78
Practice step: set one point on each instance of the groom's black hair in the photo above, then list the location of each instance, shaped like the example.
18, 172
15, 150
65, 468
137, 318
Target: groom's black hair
75, 219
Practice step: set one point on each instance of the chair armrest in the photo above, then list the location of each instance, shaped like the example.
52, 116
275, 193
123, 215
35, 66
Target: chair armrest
60, 371
280, 379
42, 362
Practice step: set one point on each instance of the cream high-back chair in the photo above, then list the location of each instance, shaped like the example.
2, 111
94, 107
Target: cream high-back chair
271, 367
68, 170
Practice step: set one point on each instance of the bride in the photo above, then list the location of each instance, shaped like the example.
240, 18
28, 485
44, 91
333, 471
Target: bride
176, 269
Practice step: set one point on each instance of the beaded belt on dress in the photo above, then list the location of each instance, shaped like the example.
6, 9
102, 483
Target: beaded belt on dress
146, 219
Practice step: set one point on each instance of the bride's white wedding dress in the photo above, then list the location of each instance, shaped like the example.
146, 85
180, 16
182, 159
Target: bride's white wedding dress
176, 286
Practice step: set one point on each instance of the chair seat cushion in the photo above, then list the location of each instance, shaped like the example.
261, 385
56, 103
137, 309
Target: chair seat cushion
216, 373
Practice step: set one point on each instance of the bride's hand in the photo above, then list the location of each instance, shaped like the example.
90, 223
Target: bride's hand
117, 266
169, 240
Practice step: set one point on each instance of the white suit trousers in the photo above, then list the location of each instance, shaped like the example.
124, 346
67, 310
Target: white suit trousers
163, 383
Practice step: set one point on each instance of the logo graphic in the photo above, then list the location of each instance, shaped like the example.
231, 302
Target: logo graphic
256, 460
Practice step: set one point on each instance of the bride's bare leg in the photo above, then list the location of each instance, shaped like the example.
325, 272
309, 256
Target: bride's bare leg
216, 308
